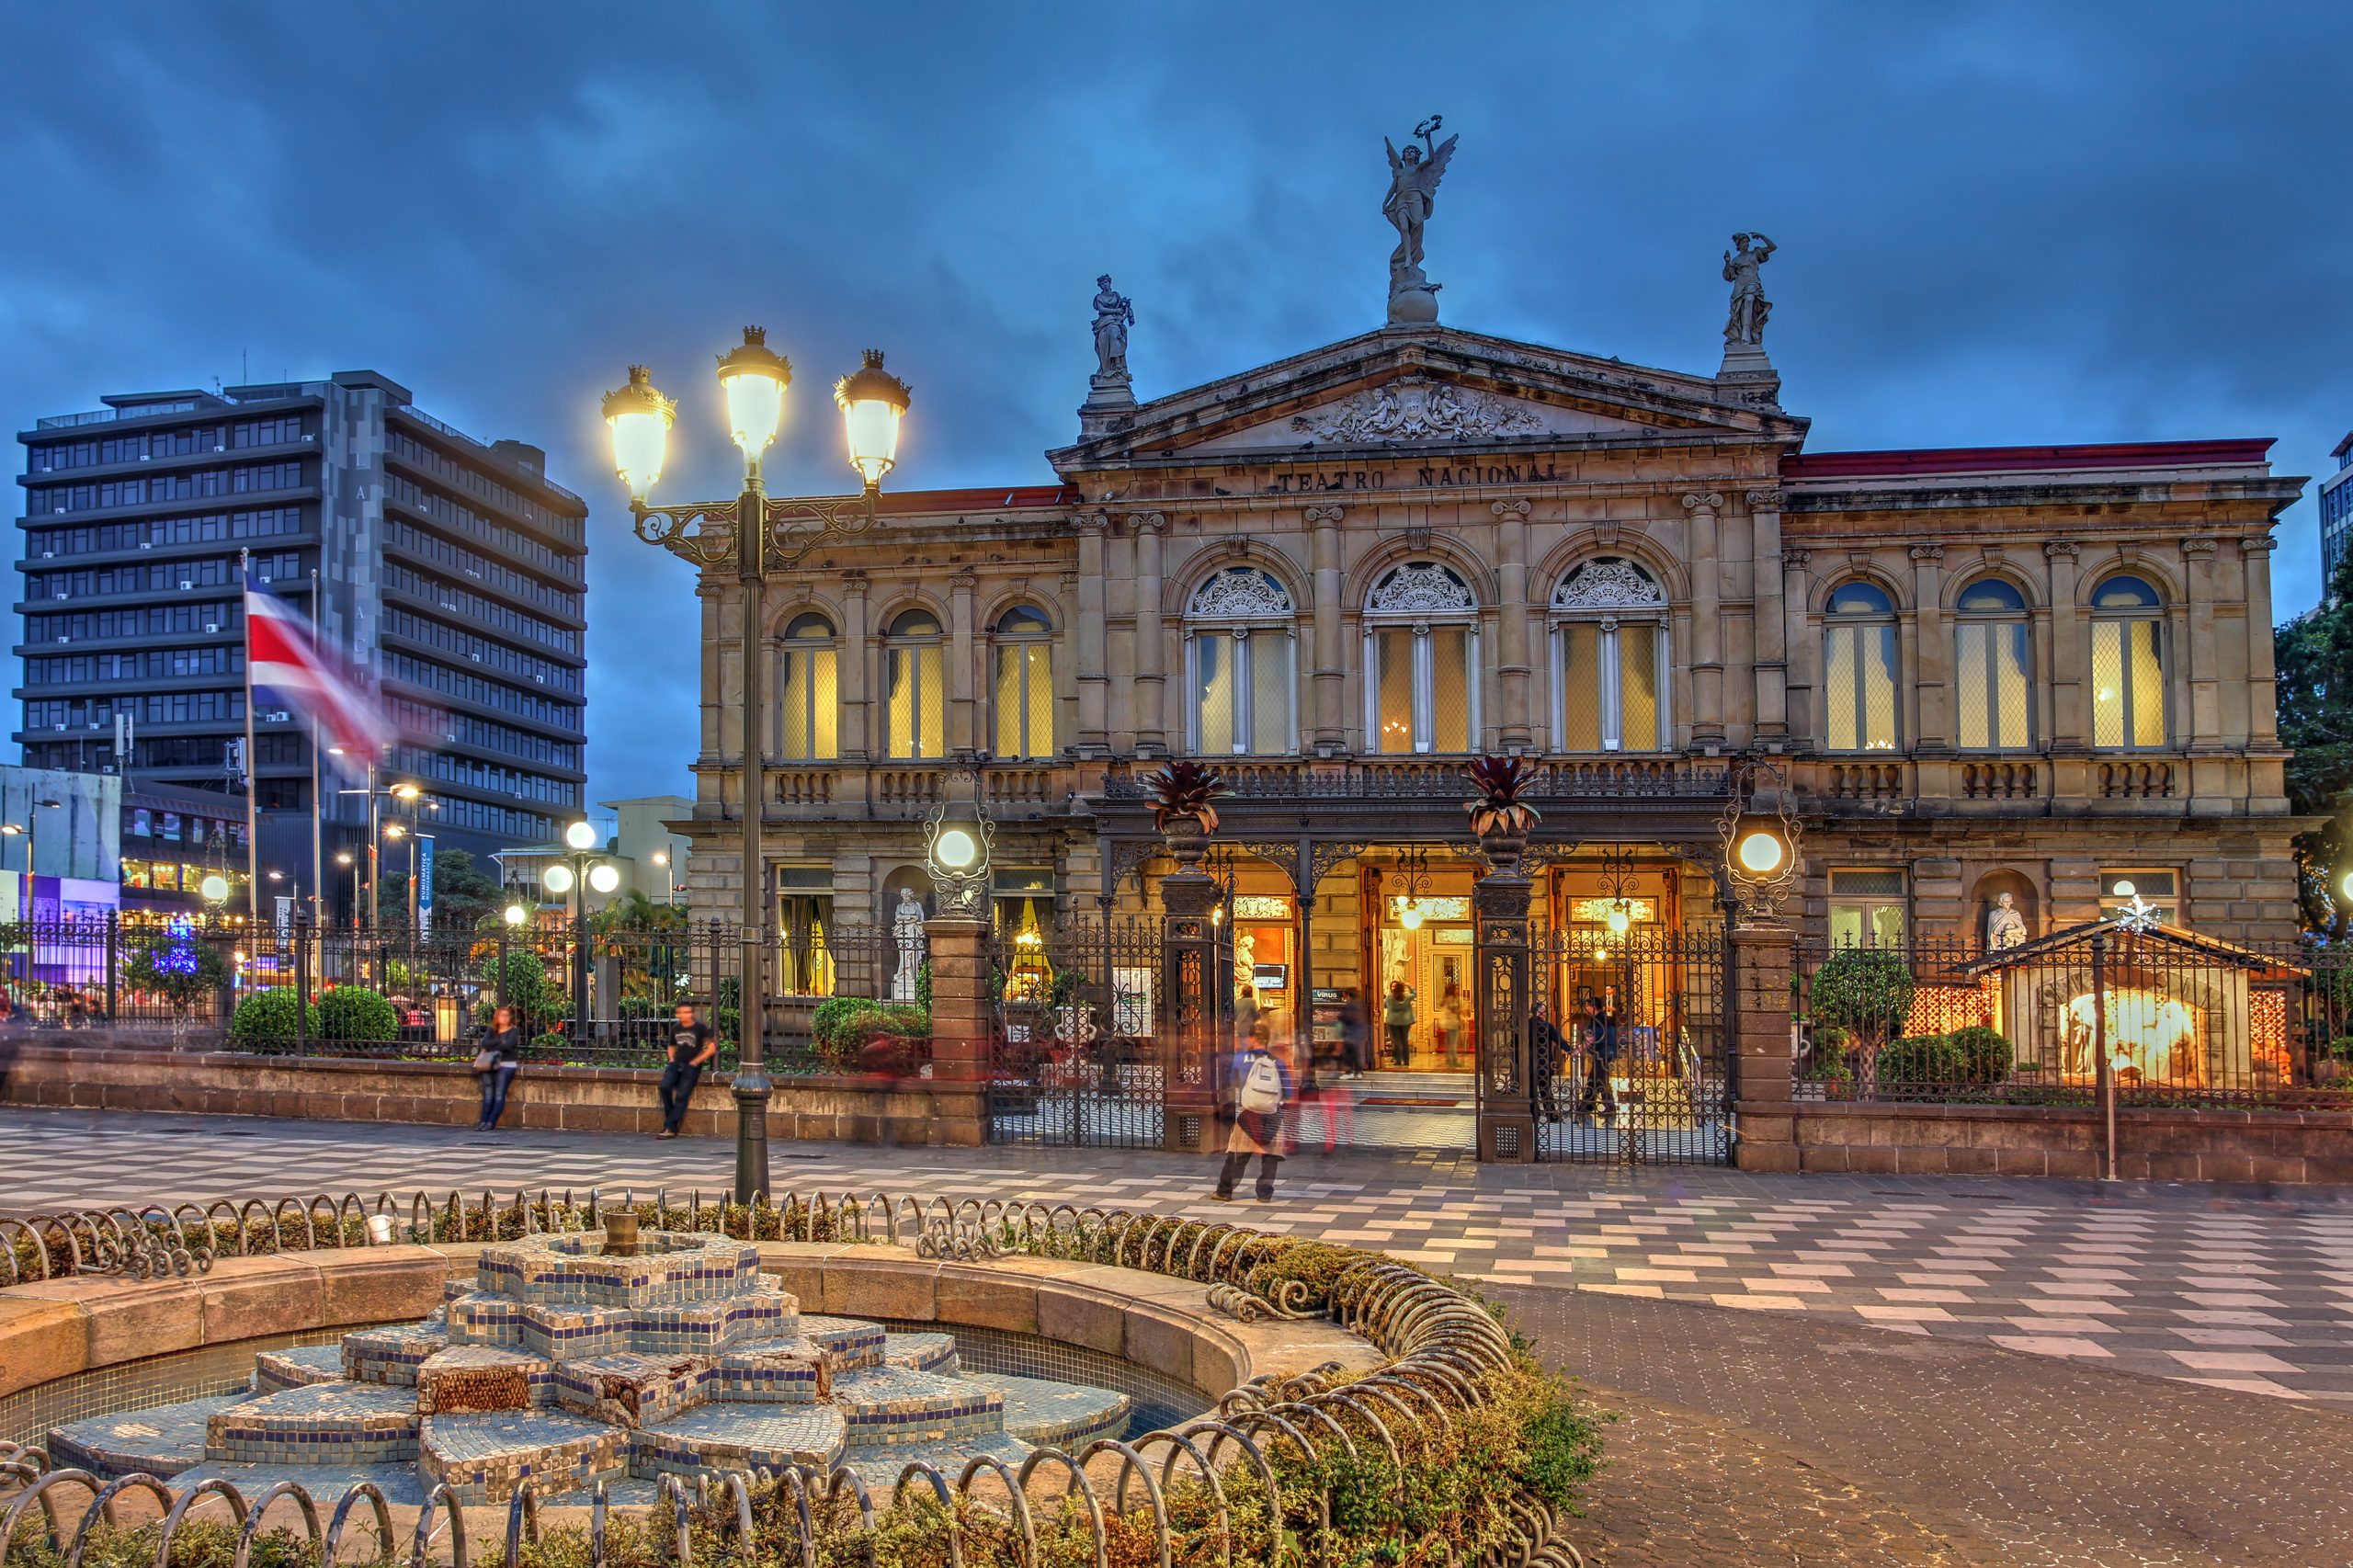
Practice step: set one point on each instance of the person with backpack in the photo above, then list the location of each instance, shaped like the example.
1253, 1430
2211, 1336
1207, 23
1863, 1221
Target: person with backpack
1263, 1089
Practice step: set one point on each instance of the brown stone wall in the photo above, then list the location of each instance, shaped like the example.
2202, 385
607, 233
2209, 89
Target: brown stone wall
851, 1109
2288, 1147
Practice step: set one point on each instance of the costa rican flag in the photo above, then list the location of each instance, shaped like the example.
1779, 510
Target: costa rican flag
284, 659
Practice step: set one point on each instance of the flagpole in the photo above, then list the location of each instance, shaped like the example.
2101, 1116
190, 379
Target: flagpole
253, 756
318, 804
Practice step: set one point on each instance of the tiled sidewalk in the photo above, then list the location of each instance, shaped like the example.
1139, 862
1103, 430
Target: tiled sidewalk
2234, 1289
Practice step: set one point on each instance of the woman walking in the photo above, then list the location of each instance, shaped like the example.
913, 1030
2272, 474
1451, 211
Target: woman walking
1397, 1017
500, 1058
1263, 1088
1450, 1023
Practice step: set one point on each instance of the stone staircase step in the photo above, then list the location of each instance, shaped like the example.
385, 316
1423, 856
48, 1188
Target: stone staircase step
479, 1378
162, 1441
633, 1390
920, 1352
325, 1423
275, 1371
401, 1485
390, 1355
892, 1405
480, 1457
854, 1343
1057, 1414
881, 1467
738, 1436
773, 1371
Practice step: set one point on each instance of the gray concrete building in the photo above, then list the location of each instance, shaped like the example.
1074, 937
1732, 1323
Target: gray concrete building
451, 571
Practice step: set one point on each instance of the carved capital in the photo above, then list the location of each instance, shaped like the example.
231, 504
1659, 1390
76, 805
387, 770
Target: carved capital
1089, 522
2262, 545
1698, 501
963, 580
853, 580
1927, 553
1796, 559
2059, 547
1322, 515
1764, 500
2200, 546
1514, 509
1148, 522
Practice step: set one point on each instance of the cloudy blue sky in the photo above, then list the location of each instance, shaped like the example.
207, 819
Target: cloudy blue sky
2073, 223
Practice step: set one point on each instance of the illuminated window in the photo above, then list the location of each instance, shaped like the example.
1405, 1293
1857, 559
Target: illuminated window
1609, 654
2160, 890
1421, 645
1867, 909
2128, 666
917, 682
1025, 685
1241, 665
1858, 669
1990, 672
809, 695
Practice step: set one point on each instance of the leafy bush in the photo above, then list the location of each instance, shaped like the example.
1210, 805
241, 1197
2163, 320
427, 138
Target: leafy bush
843, 1026
1828, 1063
1866, 991
529, 990
267, 1020
1970, 1057
551, 1043
182, 969
355, 1012
1985, 1055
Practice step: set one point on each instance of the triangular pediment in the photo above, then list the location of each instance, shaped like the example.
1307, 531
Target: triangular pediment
1433, 389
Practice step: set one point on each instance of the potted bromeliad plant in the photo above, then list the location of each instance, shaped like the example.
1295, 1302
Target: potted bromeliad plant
1500, 814
1184, 805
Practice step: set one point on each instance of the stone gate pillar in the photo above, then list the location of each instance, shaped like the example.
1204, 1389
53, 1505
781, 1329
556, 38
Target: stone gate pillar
1499, 902
1761, 959
1191, 1044
964, 1026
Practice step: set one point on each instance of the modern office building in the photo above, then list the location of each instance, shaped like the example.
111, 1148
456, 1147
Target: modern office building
2335, 513
449, 571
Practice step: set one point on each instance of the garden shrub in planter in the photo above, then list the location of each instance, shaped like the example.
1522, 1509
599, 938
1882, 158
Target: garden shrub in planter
356, 1014
266, 1021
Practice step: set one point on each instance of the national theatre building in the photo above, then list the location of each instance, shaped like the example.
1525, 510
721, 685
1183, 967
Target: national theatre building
2040, 671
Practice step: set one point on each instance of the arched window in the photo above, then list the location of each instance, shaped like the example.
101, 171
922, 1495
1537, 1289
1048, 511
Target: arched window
1240, 661
1990, 674
809, 695
2127, 664
1421, 637
1608, 648
1859, 668
1025, 685
915, 674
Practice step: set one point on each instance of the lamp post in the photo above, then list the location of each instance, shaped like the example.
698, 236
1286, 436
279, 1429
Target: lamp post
17, 830
575, 874
346, 857
32, 835
753, 533
669, 882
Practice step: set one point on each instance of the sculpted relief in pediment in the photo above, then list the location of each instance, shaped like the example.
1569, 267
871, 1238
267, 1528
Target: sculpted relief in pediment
1416, 409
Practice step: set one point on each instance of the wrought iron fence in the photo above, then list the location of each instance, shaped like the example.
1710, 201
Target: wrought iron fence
2176, 1020
1631, 1059
1077, 1056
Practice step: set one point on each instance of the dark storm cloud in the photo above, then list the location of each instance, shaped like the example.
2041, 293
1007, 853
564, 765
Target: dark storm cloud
2084, 222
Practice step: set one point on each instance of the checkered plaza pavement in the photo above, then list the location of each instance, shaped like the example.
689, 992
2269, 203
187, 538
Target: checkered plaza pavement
2238, 1290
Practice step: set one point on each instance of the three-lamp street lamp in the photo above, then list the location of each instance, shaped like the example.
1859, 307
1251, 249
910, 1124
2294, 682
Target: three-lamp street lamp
577, 874
752, 532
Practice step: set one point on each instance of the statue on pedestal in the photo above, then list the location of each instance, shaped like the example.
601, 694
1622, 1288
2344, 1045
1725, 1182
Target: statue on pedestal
1745, 325
2005, 926
1413, 176
1114, 314
906, 932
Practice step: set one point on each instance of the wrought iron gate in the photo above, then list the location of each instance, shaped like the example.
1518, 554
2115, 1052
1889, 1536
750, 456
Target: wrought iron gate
1080, 1056
1642, 1070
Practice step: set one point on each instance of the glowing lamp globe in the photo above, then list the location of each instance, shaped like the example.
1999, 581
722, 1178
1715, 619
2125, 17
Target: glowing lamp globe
1411, 917
956, 849
2345, 884
1618, 922
556, 878
580, 835
604, 877
1760, 853
215, 888
638, 418
514, 914
754, 377
872, 402
2126, 889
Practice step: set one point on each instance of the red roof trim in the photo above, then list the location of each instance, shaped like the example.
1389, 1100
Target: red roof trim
1008, 498
2029, 459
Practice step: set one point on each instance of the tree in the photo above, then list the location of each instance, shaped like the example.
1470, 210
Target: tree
462, 895
179, 966
1868, 993
2314, 656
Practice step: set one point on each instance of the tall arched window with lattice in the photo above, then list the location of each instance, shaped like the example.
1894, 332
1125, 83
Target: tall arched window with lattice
2127, 664
1610, 658
1858, 669
1025, 685
1990, 684
1421, 647
1241, 665
808, 693
915, 662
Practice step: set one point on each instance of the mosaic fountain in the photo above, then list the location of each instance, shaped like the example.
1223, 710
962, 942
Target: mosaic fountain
570, 1365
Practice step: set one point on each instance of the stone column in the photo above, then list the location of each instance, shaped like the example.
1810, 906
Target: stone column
1800, 648
1506, 1086
850, 665
2262, 673
1152, 647
1761, 959
961, 727
961, 1029
2070, 653
1094, 736
1772, 634
1707, 620
1930, 684
1511, 580
1330, 710
2205, 693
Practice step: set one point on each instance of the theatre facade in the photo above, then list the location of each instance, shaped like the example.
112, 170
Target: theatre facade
2041, 671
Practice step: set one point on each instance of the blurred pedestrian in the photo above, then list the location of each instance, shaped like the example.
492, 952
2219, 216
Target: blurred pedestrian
693, 1044
1263, 1089
495, 1065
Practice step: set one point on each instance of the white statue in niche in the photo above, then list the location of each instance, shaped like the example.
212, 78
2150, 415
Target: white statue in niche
2005, 926
906, 930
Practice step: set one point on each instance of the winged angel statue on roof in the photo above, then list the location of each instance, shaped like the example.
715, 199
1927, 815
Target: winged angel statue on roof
1413, 174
